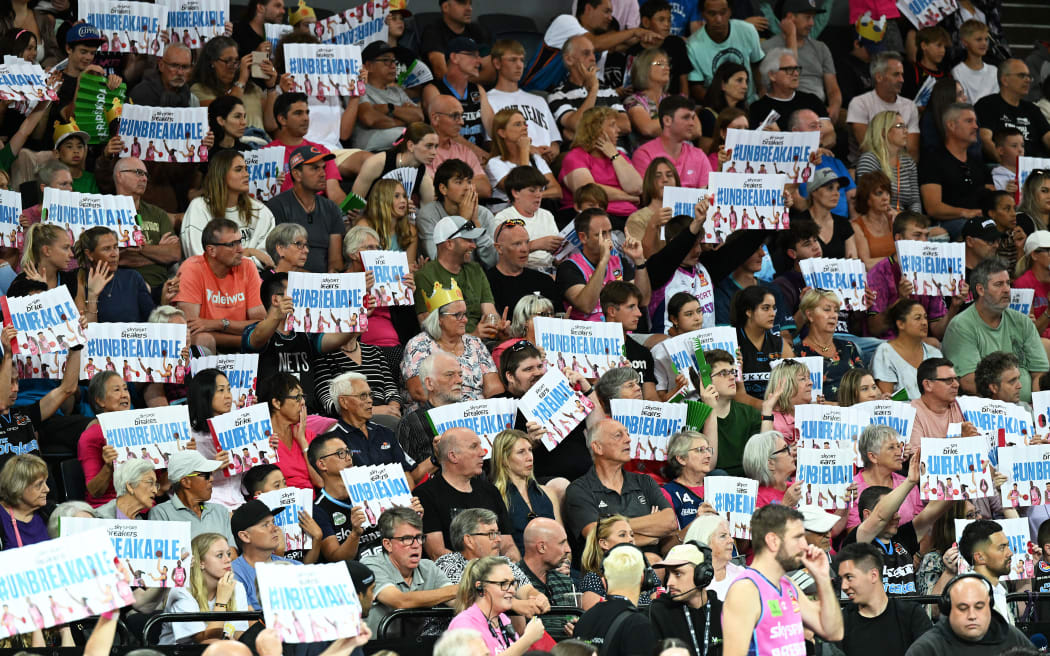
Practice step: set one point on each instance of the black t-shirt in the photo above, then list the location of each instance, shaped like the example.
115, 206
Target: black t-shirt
18, 431
641, 359
841, 231
756, 363
508, 290
292, 354
962, 183
326, 220
333, 516
889, 634
246, 38
438, 34
442, 502
994, 113
634, 636
898, 571
801, 100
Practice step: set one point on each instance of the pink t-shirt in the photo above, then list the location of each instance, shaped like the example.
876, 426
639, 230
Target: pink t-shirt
460, 152
292, 463
909, 509
473, 618
785, 423
1039, 301
89, 453
931, 424
331, 170
381, 330
692, 163
602, 172
768, 495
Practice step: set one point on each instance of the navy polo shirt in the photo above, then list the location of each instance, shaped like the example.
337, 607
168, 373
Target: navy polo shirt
379, 448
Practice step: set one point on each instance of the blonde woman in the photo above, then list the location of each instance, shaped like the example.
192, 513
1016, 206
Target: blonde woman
512, 474
526, 309
821, 309
789, 385
1034, 211
23, 495
650, 78
511, 147
387, 213
225, 194
212, 588
885, 149
594, 158
482, 601
607, 533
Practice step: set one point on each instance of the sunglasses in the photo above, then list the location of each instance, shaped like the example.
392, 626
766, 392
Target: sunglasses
507, 224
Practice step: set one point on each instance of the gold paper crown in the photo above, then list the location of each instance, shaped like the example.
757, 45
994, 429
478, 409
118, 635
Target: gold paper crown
62, 129
442, 297
398, 5
301, 13
870, 29
114, 111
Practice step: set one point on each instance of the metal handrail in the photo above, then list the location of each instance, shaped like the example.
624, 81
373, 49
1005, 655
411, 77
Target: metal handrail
230, 616
446, 612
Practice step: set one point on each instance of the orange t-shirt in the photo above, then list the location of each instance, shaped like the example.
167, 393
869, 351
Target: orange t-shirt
220, 298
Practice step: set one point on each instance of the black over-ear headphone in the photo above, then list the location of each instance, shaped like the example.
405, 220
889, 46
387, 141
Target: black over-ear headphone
703, 573
648, 582
944, 604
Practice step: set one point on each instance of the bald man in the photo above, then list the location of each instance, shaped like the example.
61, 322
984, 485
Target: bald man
460, 485
229, 648
546, 560
159, 247
446, 115
609, 490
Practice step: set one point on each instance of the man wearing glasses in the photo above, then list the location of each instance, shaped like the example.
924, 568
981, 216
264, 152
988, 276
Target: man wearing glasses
937, 406
781, 72
404, 579
190, 475
386, 110
342, 535
166, 87
1009, 109
219, 291
446, 115
161, 247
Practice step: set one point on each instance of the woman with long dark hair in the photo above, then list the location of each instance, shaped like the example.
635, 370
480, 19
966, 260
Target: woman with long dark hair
207, 395
283, 394
221, 72
227, 119
728, 88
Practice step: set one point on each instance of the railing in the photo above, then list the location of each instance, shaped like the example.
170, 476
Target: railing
162, 618
446, 613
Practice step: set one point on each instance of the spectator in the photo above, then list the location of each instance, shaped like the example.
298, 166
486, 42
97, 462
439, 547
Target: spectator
291, 112
258, 537
786, 389
321, 218
208, 395
442, 379
686, 591
896, 361
283, 393
742, 277
677, 117
522, 327
595, 158
1009, 146
889, 285
999, 206
343, 537
220, 71
950, 171
729, 118
836, 234
81, 44
875, 212
287, 247
937, 407
446, 114
107, 392
226, 181
417, 149
190, 475
805, 120
984, 544
874, 617
250, 31
461, 642
637, 497
137, 482
853, 70
931, 45
821, 310
818, 67
512, 473
460, 485
887, 70
460, 81
486, 589
227, 122
990, 325
781, 73
982, 237
404, 579
941, 562
978, 79
609, 532
71, 150
728, 89
581, 91
770, 459
1034, 273
620, 302
885, 149
858, 386
366, 360
998, 376
690, 458
1009, 109
527, 188
737, 421
1034, 211
454, 22
160, 247
120, 295
650, 81
545, 560
23, 496
624, 571
684, 314
713, 531
658, 17
386, 212
646, 223
166, 86
456, 194
966, 621
753, 311
212, 588
385, 109
512, 148
721, 39
946, 92
508, 58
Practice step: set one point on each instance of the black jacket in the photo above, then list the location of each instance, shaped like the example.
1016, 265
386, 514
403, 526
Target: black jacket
668, 618
942, 641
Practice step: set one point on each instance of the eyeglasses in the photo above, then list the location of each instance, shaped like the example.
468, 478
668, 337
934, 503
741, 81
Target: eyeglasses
341, 454
701, 449
791, 70
363, 396
661, 63
509, 223
724, 373
301, 245
409, 540
386, 61
180, 67
520, 345
228, 244
899, 126
466, 227
229, 62
1023, 76
139, 173
786, 449
544, 313
152, 483
295, 397
458, 316
205, 475
492, 535
949, 380
504, 586
455, 116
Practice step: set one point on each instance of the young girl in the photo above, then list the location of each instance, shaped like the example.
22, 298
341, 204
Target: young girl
387, 214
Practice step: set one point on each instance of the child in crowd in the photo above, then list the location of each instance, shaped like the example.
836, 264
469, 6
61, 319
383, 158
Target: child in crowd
978, 79
1009, 145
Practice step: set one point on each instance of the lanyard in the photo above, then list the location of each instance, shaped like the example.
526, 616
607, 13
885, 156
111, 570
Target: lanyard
14, 525
337, 502
692, 632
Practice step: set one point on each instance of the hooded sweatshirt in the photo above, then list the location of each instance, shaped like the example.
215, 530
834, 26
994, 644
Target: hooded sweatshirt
942, 641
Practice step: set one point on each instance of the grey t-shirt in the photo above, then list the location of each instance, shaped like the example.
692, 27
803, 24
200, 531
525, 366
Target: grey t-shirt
326, 220
393, 94
816, 61
428, 217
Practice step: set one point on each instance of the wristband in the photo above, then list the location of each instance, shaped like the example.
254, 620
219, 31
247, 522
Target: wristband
588, 392
639, 267
767, 417
613, 158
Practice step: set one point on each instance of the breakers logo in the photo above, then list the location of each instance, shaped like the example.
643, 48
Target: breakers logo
218, 298
145, 420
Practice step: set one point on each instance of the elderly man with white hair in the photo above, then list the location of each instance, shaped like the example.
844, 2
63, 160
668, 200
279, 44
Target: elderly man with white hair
782, 74
442, 378
135, 483
369, 443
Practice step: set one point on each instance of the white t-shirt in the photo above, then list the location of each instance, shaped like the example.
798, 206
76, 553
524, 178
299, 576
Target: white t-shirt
180, 600
197, 216
561, 29
976, 84
698, 284
864, 107
543, 129
540, 225
497, 168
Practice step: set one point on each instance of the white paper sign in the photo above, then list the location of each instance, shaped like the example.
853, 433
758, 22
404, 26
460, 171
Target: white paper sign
847, 278
677, 355
132, 27
934, 268
167, 134
744, 201
241, 370
293, 500
327, 302
264, 171
926, 13
1027, 469
376, 488
589, 348
487, 418
825, 474
76, 212
246, 435
735, 499
955, 468
139, 352
195, 22
898, 415
763, 152
991, 417
1021, 299
156, 553
555, 405
309, 603
12, 234
48, 322
324, 70
650, 424
359, 25
682, 200
151, 434
390, 269
829, 426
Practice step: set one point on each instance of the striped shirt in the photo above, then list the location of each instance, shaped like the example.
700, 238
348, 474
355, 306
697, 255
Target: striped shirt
567, 97
374, 366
